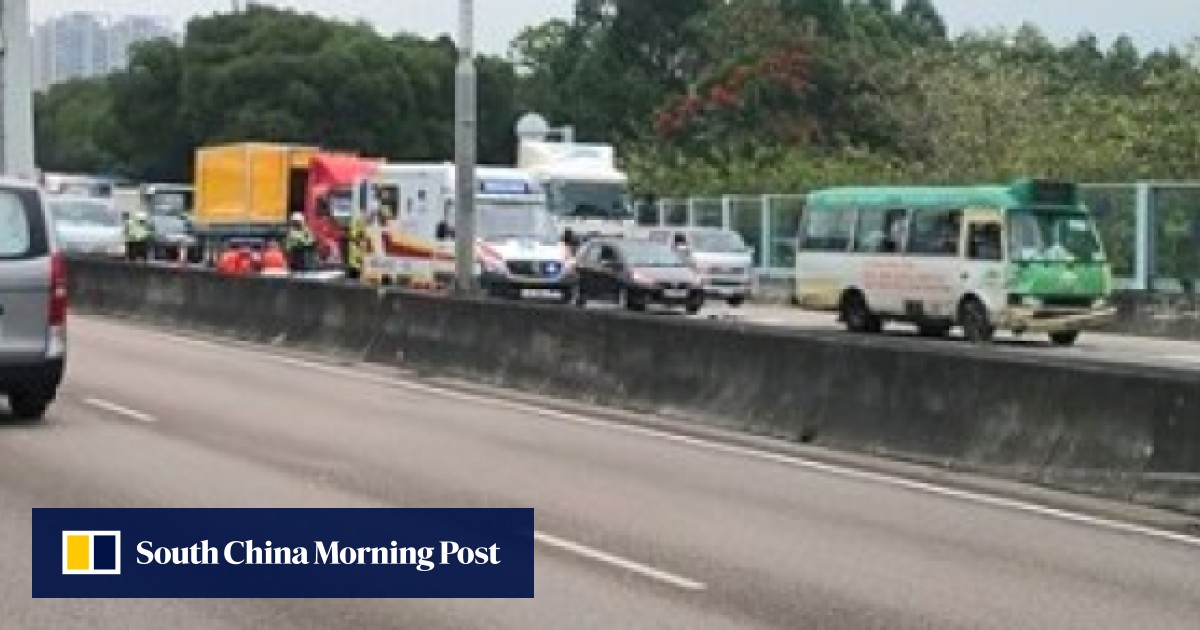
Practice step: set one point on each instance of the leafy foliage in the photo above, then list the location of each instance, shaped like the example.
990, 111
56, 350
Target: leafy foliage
701, 95
272, 75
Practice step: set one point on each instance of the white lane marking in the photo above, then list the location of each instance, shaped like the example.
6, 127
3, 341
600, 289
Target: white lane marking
1185, 358
744, 451
619, 562
120, 410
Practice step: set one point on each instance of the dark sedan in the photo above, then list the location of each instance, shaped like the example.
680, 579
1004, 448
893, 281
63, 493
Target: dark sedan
172, 233
636, 274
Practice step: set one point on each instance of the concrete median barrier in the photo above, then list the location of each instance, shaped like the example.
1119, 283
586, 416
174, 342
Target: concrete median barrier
1116, 431
1158, 315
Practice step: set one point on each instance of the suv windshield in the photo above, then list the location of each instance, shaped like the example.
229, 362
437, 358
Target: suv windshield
652, 255
503, 220
718, 242
1053, 236
590, 200
84, 213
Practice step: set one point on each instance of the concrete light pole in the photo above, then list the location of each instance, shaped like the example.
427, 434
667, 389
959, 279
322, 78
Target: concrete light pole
465, 158
16, 90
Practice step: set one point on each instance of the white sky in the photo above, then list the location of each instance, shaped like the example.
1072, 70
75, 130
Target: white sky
1152, 23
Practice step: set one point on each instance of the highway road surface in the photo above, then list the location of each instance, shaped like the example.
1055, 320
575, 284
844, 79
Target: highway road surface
637, 528
1092, 346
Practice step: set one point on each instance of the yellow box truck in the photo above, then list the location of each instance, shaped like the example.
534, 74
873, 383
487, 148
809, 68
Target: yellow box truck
249, 191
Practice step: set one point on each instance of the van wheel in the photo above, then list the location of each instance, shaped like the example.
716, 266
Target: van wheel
737, 302
29, 405
976, 322
629, 301
858, 316
1065, 339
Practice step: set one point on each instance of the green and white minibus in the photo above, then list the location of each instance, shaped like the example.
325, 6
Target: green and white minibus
1024, 258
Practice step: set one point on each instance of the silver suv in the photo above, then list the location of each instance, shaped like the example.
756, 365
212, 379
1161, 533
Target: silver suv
33, 302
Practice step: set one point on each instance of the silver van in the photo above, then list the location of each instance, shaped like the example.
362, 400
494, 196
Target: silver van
721, 257
33, 302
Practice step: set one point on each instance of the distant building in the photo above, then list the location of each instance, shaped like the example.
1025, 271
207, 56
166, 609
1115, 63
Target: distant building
83, 45
128, 31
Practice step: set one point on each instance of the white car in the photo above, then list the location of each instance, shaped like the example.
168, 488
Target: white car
87, 226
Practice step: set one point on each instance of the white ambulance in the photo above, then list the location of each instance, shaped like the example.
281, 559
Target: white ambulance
409, 213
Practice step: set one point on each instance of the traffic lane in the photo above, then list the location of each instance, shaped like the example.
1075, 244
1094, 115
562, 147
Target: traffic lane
1092, 346
772, 542
88, 458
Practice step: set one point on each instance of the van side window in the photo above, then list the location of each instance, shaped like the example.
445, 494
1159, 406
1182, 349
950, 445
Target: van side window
22, 226
14, 227
828, 230
935, 232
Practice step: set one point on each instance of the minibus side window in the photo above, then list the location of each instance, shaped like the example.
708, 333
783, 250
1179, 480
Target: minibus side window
828, 230
872, 234
985, 243
936, 233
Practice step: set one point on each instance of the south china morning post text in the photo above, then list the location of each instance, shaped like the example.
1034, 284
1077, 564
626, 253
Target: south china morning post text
191, 553
248, 552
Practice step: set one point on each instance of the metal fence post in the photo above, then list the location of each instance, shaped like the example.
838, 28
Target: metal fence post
1144, 245
726, 212
765, 236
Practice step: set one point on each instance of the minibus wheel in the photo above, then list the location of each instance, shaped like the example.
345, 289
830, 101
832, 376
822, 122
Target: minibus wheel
858, 316
973, 316
934, 331
1065, 338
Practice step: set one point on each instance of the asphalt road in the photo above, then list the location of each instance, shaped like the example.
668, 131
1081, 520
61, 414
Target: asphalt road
639, 529
1092, 346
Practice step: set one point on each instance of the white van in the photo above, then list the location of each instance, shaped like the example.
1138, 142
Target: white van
722, 258
33, 302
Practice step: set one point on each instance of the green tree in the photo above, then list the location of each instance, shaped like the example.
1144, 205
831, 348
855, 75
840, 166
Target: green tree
74, 128
151, 133
923, 21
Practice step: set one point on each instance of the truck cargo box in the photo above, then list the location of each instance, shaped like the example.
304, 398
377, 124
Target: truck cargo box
250, 184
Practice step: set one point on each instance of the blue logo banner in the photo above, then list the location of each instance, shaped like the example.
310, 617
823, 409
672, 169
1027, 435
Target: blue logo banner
283, 554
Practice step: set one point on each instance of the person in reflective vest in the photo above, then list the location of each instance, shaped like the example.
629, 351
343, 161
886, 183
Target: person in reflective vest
355, 244
299, 243
137, 237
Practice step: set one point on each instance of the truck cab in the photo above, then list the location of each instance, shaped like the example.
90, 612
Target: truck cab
585, 191
250, 191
